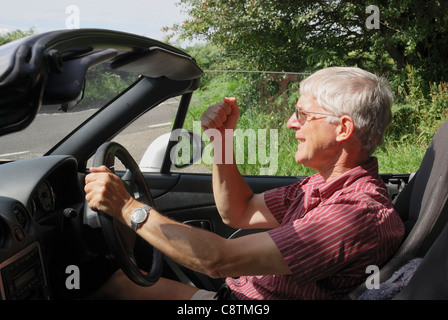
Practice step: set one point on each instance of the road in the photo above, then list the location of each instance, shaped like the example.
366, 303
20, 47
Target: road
51, 125
37, 139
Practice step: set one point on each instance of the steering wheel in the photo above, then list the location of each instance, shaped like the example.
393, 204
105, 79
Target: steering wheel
119, 237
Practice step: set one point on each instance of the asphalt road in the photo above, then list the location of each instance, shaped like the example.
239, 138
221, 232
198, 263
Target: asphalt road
37, 138
51, 125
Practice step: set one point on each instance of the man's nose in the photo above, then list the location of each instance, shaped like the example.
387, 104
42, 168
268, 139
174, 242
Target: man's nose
293, 123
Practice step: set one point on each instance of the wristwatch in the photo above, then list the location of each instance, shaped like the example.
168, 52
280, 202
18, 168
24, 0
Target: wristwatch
138, 216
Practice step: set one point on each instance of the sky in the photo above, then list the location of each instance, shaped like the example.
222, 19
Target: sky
142, 17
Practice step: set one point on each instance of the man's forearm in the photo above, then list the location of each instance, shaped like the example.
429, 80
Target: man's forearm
231, 192
194, 248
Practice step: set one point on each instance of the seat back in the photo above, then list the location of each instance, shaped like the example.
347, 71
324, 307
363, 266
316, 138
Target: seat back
422, 205
430, 280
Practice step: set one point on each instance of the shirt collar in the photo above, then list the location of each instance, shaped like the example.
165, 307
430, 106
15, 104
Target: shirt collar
326, 189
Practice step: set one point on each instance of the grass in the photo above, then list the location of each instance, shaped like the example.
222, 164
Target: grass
416, 118
393, 156
404, 158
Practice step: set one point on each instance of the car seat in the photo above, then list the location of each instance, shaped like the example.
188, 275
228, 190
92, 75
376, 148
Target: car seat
430, 280
422, 205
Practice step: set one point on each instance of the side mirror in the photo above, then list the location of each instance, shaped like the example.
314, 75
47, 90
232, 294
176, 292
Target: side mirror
187, 151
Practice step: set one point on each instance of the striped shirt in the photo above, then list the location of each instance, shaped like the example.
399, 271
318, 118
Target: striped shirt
329, 233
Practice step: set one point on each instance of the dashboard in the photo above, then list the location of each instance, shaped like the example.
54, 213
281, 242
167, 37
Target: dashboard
36, 196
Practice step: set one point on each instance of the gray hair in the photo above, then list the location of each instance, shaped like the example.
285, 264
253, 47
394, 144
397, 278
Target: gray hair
365, 97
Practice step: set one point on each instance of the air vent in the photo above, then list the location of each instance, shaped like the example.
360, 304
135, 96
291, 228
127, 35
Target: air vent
21, 216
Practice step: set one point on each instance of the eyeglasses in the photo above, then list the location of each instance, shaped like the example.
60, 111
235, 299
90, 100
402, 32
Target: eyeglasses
302, 116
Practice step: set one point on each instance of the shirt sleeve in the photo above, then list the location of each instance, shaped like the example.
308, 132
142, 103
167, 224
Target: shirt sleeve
279, 200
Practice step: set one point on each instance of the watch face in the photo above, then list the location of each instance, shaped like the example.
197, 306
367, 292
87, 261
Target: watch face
139, 215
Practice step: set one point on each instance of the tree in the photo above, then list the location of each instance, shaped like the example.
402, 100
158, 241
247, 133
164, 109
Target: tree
415, 33
302, 35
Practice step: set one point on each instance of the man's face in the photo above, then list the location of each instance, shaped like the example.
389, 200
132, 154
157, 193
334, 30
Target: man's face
317, 145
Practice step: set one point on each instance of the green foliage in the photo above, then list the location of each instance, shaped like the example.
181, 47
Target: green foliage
399, 158
208, 57
102, 84
420, 110
267, 100
264, 104
410, 48
15, 35
306, 35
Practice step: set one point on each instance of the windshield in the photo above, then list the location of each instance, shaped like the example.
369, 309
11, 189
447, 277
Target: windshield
52, 124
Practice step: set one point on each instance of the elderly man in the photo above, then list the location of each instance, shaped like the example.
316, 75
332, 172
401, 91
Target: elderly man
323, 231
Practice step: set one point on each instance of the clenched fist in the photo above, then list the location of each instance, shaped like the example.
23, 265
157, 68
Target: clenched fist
221, 116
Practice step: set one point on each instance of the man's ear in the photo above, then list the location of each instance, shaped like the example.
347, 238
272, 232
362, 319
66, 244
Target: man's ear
345, 128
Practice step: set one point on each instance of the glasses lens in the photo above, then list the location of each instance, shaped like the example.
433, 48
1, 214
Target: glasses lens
301, 116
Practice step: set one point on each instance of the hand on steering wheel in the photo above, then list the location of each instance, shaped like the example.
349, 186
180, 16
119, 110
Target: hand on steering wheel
119, 237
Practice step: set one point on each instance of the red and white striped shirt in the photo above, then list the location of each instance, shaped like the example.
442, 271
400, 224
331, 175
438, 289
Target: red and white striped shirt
330, 232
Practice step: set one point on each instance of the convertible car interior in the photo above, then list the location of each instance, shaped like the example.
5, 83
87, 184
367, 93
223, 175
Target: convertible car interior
52, 246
